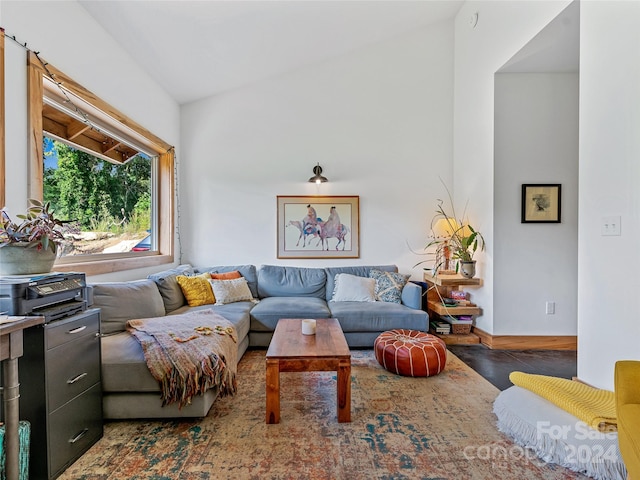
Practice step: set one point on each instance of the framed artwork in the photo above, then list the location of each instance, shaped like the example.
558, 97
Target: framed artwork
318, 227
541, 203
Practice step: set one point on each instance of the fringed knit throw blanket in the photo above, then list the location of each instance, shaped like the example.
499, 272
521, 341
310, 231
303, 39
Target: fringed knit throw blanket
189, 353
594, 406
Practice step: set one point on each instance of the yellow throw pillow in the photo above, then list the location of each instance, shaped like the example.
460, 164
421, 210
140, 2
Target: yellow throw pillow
197, 290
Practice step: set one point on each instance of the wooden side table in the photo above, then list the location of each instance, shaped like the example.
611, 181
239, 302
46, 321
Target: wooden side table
440, 286
10, 351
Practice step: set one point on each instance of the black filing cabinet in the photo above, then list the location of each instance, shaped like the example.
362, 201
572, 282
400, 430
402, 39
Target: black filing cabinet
61, 391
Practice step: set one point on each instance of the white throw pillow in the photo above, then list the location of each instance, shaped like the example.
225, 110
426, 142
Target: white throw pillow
230, 291
351, 288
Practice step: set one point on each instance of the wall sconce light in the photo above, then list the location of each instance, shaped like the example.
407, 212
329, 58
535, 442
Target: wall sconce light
317, 177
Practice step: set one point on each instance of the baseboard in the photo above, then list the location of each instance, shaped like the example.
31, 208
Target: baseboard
527, 342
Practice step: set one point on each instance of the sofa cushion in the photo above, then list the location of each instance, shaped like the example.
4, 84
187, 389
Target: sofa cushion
196, 289
168, 286
231, 291
360, 271
265, 315
351, 288
389, 285
280, 281
246, 271
122, 301
123, 366
377, 316
237, 313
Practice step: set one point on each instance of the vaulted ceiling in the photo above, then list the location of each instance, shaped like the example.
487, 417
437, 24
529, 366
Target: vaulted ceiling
195, 49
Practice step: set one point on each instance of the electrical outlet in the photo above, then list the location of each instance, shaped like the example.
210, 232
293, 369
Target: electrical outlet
611, 226
551, 308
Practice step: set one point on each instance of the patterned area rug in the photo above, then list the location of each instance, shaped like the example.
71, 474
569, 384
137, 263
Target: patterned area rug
439, 427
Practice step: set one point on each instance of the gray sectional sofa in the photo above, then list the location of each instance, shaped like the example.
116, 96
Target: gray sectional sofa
129, 390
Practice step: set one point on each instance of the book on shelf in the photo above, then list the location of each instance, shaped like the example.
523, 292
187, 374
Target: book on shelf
458, 295
440, 327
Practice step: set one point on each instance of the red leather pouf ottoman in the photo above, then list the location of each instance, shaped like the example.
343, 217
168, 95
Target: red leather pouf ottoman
410, 353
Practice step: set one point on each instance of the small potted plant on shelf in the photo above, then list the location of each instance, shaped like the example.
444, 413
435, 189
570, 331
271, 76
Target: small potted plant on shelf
455, 242
31, 245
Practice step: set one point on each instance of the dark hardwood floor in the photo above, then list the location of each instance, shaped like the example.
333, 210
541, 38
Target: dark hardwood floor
496, 365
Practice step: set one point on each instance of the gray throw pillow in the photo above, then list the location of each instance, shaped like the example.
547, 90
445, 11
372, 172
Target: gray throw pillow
168, 286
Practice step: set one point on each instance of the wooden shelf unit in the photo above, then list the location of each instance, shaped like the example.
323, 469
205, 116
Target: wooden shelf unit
438, 307
459, 339
440, 287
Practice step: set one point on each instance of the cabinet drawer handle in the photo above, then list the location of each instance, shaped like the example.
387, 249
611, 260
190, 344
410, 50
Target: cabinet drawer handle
79, 436
71, 381
77, 330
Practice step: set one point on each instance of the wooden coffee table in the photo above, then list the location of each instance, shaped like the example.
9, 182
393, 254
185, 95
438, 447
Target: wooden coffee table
291, 351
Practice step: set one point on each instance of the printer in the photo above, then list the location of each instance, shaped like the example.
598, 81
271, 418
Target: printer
51, 295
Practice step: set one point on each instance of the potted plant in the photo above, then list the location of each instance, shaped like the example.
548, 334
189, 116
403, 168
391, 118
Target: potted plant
31, 245
455, 241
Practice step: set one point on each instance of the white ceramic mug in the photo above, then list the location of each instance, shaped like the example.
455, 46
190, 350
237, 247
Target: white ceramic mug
308, 327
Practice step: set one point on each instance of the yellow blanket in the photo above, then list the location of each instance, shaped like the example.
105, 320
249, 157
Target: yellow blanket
595, 407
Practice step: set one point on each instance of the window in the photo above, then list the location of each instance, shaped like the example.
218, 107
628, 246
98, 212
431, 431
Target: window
104, 171
2, 133
110, 203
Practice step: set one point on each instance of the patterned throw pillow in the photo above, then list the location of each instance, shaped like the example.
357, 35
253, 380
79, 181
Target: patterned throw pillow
196, 289
351, 288
389, 285
230, 291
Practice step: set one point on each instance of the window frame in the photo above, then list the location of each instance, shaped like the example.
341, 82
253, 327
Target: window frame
165, 190
2, 127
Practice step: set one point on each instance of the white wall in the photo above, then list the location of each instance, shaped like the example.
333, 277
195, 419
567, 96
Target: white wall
67, 37
536, 141
609, 146
503, 29
379, 121
609, 322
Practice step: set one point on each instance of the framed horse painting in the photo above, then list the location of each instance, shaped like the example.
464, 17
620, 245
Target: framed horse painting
318, 227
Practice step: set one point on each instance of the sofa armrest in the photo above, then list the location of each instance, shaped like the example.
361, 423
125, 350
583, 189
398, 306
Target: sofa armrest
412, 296
627, 382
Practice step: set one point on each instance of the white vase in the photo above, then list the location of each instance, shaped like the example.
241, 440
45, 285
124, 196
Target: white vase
468, 269
18, 259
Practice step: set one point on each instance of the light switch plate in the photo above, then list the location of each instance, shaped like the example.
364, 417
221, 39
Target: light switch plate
550, 308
